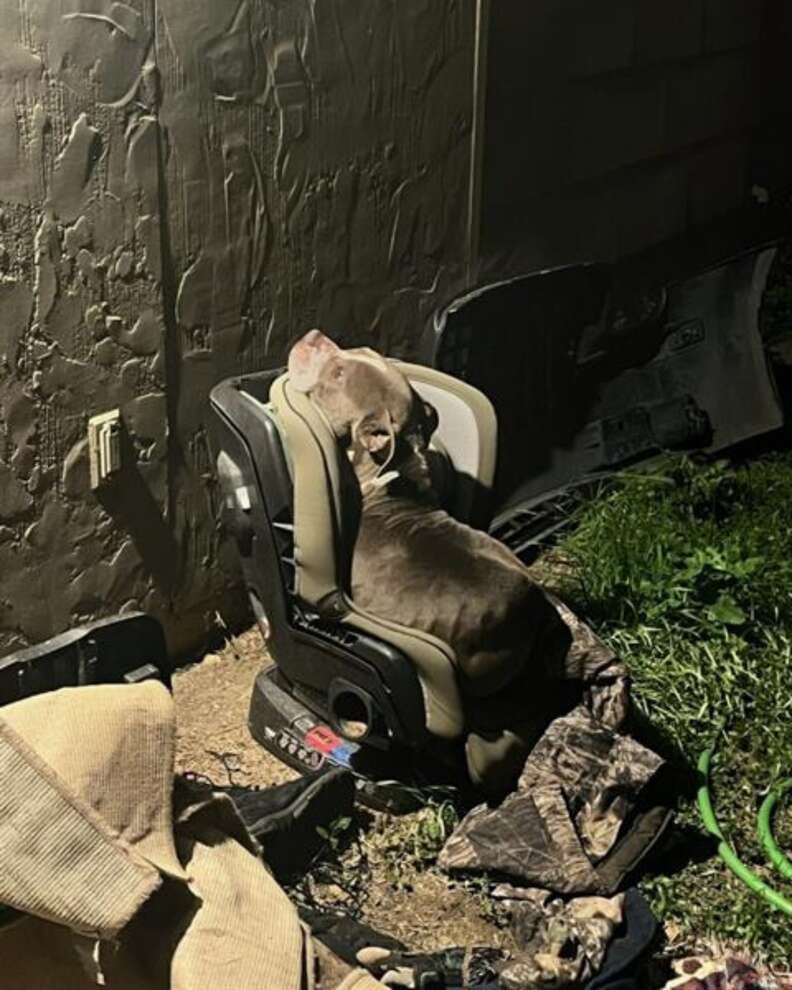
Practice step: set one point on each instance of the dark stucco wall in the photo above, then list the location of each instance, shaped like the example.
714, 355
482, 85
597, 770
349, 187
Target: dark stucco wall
185, 185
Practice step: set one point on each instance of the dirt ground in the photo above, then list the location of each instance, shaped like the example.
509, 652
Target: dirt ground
212, 699
385, 876
382, 871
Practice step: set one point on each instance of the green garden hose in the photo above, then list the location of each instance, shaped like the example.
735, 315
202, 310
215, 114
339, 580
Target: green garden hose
765, 828
725, 851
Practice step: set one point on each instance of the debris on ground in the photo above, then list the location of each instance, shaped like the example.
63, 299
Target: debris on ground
212, 699
690, 659
382, 867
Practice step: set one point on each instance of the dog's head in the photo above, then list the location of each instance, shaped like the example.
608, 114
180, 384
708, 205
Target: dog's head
372, 408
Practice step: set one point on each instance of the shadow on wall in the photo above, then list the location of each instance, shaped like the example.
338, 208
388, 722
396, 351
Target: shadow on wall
128, 500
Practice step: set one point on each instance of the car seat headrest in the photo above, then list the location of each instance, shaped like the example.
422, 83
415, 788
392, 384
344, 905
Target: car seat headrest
467, 434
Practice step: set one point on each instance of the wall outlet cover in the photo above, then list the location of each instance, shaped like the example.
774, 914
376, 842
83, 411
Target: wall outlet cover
104, 446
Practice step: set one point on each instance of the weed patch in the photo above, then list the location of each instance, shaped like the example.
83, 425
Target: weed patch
686, 571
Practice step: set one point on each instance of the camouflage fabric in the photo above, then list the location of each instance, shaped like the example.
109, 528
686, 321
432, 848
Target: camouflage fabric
577, 798
562, 943
578, 787
589, 661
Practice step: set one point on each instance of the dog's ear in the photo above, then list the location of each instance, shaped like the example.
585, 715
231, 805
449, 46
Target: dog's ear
374, 433
307, 359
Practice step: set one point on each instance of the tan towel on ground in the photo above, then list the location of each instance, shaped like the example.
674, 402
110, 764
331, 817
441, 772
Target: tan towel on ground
114, 891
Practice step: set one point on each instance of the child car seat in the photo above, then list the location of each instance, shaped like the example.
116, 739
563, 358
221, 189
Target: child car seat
346, 686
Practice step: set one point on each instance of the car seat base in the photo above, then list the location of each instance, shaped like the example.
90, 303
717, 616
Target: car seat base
294, 734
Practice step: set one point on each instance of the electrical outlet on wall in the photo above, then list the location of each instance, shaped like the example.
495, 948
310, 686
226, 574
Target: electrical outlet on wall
104, 446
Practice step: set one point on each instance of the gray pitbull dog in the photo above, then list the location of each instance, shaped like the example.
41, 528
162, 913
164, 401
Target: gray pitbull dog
414, 563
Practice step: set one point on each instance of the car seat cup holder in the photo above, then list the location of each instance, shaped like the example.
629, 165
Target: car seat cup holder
354, 713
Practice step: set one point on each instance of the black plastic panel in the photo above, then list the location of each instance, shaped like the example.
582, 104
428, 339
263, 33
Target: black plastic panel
589, 369
116, 650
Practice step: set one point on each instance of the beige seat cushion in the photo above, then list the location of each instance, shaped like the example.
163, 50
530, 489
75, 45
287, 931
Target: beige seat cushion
467, 430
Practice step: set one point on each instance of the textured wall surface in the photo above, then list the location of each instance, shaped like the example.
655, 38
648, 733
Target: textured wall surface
80, 311
185, 185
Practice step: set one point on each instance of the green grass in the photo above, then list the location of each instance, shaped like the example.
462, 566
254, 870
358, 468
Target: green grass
687, 572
